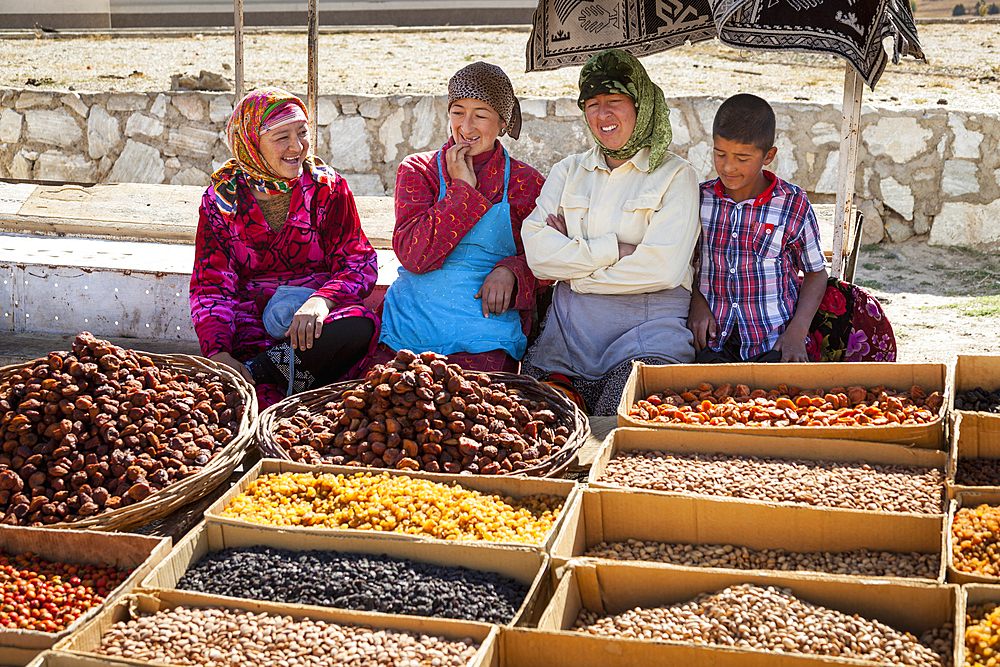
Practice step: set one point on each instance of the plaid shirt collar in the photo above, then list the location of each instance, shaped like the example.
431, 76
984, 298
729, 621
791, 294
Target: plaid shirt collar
762, 198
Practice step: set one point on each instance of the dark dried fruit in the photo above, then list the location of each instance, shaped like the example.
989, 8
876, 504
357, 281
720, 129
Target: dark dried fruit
360, 582
979, 400
84, 436
419, 412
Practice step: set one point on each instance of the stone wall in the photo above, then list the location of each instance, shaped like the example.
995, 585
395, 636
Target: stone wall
921, 171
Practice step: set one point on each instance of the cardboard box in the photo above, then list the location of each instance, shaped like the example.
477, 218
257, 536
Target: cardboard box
60, 659
973, 436
523, 647
967, 499
646, 380
89, 637
972, 595
515, 487
704, 442
525, 565
973, 371
605, 515
612, 588
122, 550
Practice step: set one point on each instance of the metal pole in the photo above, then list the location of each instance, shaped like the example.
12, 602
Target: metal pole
313, 69
238, 35
850, 127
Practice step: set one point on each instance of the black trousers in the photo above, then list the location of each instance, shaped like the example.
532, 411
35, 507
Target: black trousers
342, 344
730, 353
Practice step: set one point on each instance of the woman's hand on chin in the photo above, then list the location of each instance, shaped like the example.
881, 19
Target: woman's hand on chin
459, 164
228, 360
497, 290
307, 323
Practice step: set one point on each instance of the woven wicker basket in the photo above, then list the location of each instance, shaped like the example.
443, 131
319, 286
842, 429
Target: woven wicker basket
221, 466
567, 414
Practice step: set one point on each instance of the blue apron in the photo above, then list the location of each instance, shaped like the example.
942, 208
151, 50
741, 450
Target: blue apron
437, 311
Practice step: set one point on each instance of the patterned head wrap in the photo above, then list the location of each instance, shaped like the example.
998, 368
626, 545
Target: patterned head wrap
488, 83
285, 114
615, 71
259, 112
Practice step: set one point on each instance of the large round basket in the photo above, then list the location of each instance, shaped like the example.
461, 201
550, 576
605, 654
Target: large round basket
219, 468
555, 465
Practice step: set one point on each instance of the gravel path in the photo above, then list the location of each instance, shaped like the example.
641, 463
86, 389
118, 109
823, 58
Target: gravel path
962, 69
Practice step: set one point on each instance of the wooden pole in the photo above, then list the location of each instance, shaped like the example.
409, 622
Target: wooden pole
238, 35
313, 70
850, 128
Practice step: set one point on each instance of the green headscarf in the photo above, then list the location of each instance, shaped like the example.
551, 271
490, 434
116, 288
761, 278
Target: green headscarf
615, 71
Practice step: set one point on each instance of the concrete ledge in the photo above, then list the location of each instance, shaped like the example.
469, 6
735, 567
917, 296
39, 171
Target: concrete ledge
138, 212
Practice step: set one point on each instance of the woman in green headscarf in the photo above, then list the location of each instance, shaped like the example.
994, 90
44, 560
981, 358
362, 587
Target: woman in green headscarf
616, 226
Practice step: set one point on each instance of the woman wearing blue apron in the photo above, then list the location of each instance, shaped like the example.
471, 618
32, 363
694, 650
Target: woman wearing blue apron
464, 288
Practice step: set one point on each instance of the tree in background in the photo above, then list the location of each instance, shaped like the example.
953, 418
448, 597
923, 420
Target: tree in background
993, 9
959, 10
982, 9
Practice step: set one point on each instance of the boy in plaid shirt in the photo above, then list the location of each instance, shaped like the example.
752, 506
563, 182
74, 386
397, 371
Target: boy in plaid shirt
759, 232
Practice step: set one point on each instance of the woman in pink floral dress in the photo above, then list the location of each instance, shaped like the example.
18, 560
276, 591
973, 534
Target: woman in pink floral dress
277, 216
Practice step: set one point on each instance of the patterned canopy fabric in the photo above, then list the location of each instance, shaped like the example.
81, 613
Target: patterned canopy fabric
866, 33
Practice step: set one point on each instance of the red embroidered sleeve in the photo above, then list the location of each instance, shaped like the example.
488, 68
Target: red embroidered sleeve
213, 281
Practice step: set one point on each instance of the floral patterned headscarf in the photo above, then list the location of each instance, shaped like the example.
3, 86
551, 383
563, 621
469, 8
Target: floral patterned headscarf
258, 112
615, 71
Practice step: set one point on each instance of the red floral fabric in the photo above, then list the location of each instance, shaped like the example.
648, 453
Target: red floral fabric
427, 230
239, 265
850, 325
833, 301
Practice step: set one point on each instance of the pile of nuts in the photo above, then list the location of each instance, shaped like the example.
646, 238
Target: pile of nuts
975, 540
980, 400
422, 413
394, 503
224, 637
977, 472
982, 635
100, 427
361, 582
860, 562
771, 619
852, 485
47, 596
789, 406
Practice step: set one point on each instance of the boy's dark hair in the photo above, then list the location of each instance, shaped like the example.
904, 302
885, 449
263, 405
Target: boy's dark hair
746, 119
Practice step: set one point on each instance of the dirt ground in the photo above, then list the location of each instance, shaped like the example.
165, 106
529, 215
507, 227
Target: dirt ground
941, 301
944, 8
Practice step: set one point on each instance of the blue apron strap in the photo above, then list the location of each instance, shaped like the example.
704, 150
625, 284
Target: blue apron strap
442, 186
506, 174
